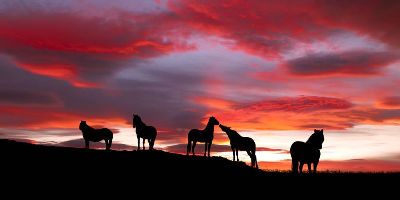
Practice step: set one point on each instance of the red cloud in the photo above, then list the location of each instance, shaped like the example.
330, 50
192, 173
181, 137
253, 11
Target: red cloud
299, 104
269, 28
390, 102
48, 117
287, 113
343, 63
81, 49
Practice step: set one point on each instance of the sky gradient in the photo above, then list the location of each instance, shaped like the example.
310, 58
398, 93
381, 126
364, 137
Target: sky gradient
272, 70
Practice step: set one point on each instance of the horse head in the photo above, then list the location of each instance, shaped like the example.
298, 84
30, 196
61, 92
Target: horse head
136, 119
213, 121
225, 128
317, 138
82, 125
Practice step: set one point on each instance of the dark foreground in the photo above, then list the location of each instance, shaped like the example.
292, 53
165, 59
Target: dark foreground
26, 165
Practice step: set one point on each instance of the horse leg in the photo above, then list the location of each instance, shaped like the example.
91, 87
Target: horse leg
309, 167
205, 148
188, 147
237, 154
152, 143
233, 152
315, 166
255, 159
251, 157
87, 144
295, 166
138, 143
209, 148
194, 145
143, 143
109, 143
301, 167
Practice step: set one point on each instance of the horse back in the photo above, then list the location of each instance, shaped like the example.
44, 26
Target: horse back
296, 148
244, 144
198, 135
107, 133
147, 132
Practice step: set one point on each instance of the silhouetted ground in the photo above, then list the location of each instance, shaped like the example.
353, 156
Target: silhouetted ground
27, 165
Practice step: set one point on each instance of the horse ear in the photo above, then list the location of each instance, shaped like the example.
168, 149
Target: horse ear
322, 130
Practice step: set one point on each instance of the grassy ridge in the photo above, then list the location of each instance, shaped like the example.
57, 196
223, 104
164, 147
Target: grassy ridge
28, 162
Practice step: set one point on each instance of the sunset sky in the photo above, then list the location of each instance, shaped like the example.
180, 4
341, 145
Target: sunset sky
273, 70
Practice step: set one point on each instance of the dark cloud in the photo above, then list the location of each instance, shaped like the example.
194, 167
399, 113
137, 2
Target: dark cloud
28, 97
83, 50
343, 63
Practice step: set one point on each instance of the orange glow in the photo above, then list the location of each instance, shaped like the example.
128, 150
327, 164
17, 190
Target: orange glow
58, 71
214, 103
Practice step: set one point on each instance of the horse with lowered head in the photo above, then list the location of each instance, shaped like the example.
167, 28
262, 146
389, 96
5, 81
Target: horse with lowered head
206, 135
241, 143
145, 132
307, 152
96, 135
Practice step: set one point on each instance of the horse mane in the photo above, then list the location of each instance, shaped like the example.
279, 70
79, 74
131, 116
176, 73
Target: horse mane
86, 127
234, 133
138, 120
209, 125
316, 139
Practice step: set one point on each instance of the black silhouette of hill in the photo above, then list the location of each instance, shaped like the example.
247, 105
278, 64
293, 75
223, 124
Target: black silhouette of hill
26, 165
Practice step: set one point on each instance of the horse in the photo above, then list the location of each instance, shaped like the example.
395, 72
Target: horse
145, 132
241, 143
206, 135
96, 135
307, 152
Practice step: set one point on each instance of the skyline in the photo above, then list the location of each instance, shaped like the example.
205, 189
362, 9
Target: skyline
272, 70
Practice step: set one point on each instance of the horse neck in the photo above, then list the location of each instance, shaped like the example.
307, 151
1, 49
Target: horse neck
139, 123
87, 128
209, 128
314, 141
233, 135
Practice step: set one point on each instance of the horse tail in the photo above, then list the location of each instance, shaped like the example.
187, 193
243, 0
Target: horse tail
254, 155
189, 145
254, 159
293, 153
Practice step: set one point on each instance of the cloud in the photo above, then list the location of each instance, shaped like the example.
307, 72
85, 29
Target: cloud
83, 50
390, 102
343, 63
28, 97
298, 104
288, 113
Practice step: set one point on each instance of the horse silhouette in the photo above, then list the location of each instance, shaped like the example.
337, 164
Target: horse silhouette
145, 132
241, 143
96, 135
206, 135
307, 152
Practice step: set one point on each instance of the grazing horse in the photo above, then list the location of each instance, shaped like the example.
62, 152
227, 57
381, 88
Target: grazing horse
241, 143
307, 152
96, 135
206, 135
145, 132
